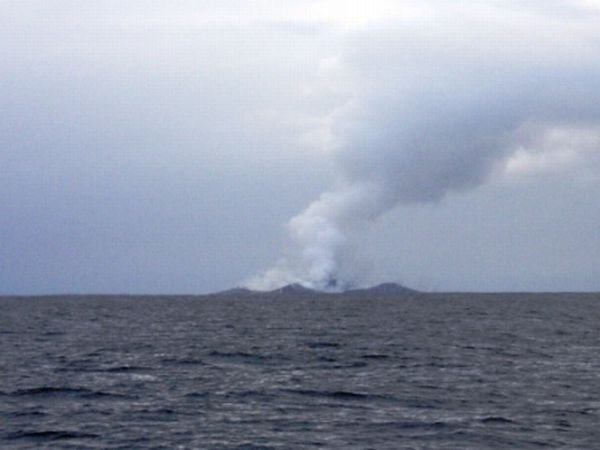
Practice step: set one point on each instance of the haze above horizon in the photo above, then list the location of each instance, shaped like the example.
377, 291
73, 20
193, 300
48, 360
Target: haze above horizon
156, 147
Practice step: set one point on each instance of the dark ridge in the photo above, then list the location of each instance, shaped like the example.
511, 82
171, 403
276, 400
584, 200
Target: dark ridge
289, 289
238, 292
333, 288
294, 289
384, 289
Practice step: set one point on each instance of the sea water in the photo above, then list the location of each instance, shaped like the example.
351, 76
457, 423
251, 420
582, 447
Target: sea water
407, 372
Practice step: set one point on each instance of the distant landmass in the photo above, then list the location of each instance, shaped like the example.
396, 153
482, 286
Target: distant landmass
384, 289
296, 289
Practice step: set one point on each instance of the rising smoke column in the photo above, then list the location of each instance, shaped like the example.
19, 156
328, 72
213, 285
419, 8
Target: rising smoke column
437, 106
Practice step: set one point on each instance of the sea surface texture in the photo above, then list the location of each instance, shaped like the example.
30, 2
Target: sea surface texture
436, 371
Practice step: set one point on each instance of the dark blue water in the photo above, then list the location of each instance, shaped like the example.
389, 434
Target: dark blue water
431, 372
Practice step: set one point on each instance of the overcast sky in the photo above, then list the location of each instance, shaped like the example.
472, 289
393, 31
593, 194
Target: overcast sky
187, 147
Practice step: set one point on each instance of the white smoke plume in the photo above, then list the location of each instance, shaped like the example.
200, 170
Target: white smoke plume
438, 104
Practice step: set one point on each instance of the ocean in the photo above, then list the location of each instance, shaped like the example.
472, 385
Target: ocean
422, 371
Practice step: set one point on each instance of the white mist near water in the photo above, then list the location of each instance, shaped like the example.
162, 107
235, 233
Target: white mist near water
440, 105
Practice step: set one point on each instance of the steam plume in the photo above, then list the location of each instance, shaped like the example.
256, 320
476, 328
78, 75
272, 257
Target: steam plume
437, 106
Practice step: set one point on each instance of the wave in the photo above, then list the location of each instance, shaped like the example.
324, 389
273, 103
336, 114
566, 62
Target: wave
496, 420
183, 361
51, 435
52, 391
121, 369
323, 345
337, 395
